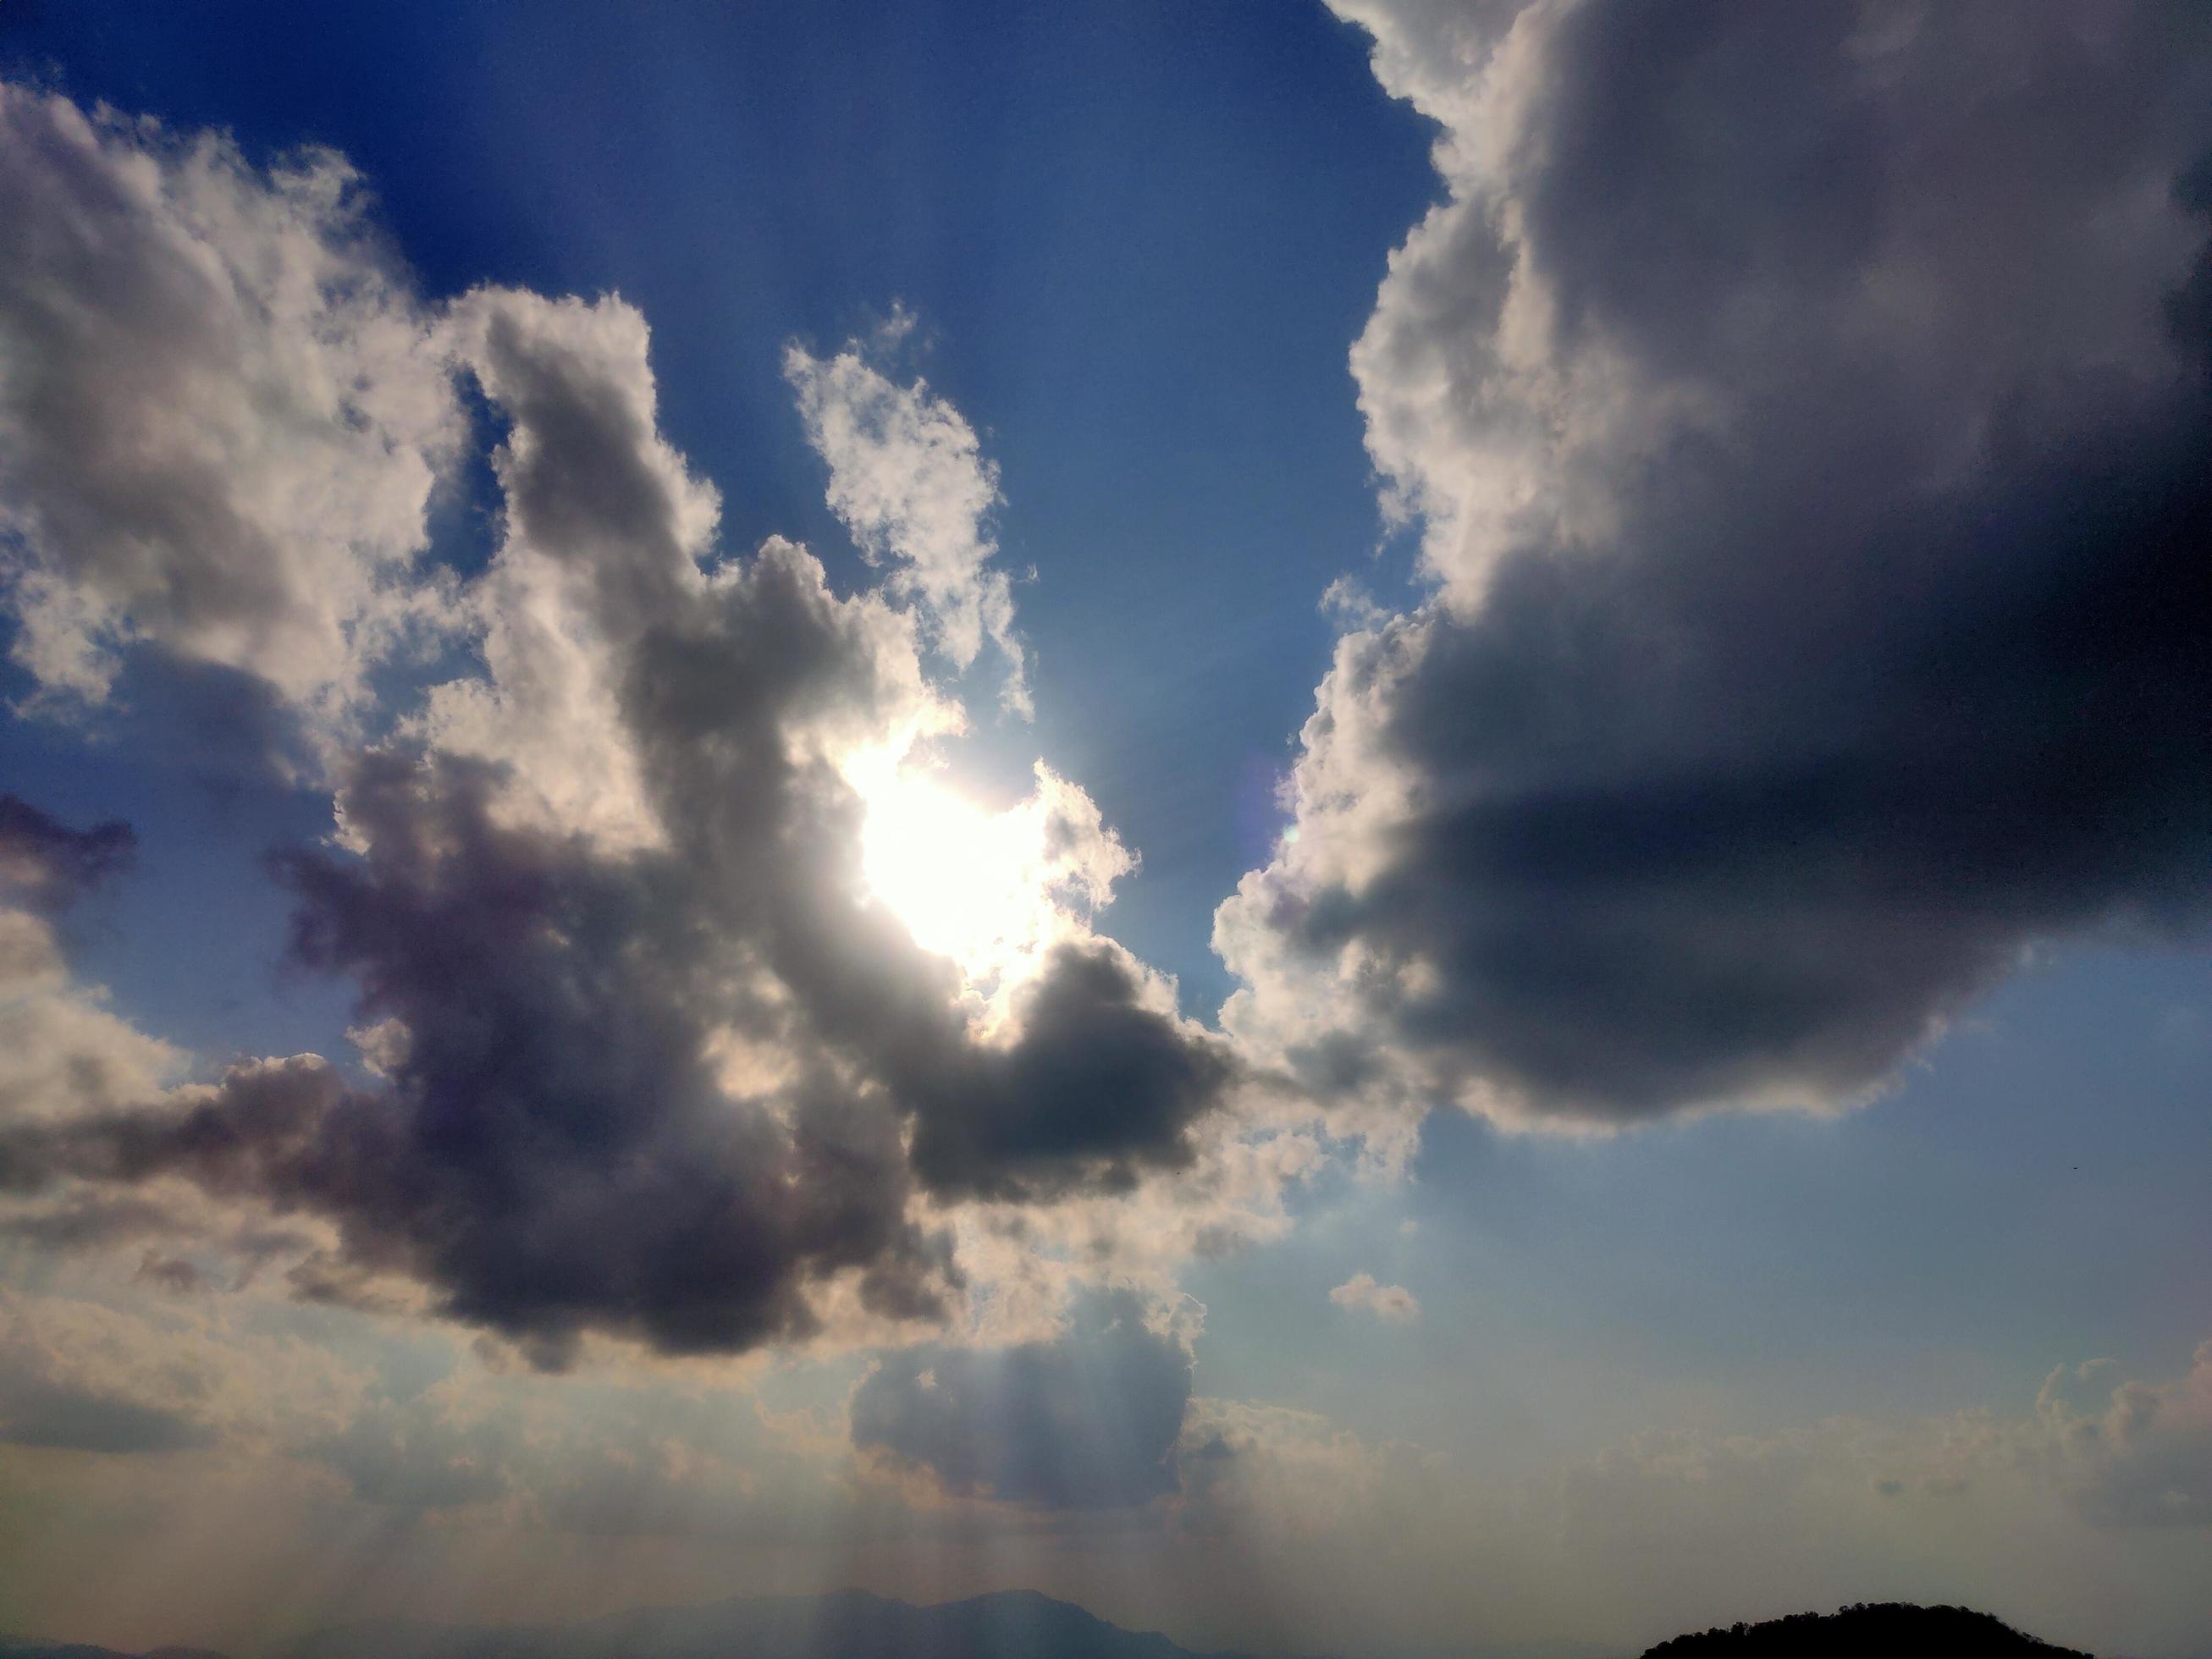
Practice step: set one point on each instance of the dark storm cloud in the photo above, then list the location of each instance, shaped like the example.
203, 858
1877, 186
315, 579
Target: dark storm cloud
552, 1153
1823, 825
555, 1151
1086, 1421
1097, 1088
46, 865
1855, 634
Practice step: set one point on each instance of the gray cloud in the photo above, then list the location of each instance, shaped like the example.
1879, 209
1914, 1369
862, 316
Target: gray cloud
416, 1459
647, 1064
45, 865
75, 1377
34, 1412
554, 1153
557, 1150
1098, 1088
1805, 413
1088, 1420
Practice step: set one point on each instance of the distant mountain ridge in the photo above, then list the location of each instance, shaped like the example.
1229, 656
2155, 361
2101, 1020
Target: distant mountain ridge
844, 1625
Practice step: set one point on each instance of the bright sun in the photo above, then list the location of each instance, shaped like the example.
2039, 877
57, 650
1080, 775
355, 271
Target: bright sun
967, 884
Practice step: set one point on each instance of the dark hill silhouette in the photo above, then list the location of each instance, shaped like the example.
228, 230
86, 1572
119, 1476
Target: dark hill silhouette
1869, 1628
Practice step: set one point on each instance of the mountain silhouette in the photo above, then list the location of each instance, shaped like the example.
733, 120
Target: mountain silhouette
1866, 1628
847, 1624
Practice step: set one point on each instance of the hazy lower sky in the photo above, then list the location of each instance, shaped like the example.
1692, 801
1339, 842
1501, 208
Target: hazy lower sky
1348, 826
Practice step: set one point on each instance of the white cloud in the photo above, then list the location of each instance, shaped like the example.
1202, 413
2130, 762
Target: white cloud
79, 1376
909, 479
604, 528
1393, 1304
64, 1051
221, 410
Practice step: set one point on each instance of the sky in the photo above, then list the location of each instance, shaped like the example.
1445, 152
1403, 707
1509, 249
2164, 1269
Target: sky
1369, 827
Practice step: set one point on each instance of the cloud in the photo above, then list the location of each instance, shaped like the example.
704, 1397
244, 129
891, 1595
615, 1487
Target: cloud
649, 1061
63, 1051
222, 416
603, 529
1103, 1083
1818, 595
47, 866
554, 1153
68, 1383
75, 1375
1393, 1304
2146, 1458
61, 1048
1087, 1420
909, 480
1290, 1477
418, 1458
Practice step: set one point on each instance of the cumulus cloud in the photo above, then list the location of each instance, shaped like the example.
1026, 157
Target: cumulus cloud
1818, 570
61, 1047
908, 477
63, 1050
650, 1059
221, 412
603, 529
2145, 1458
1392, 1304
1089, 1419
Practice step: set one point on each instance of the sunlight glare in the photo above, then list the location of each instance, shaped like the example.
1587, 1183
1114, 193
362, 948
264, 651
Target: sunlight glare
966, 883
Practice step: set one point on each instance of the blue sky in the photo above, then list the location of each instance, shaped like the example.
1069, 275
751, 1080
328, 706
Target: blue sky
1719, 1026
